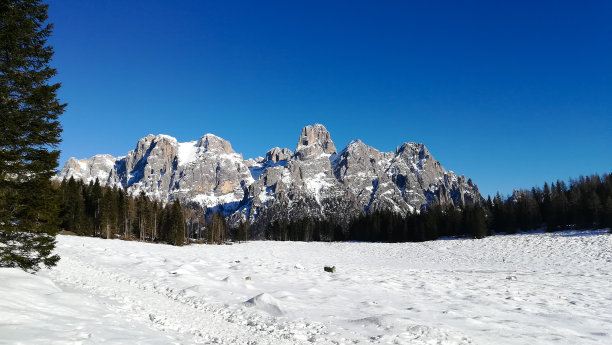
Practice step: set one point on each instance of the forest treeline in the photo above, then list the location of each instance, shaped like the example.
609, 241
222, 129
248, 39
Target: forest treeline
585, 203
93, 210
89, 209
386, 226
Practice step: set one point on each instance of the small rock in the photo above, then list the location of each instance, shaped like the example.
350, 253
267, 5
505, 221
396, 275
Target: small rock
331, 269
511, 277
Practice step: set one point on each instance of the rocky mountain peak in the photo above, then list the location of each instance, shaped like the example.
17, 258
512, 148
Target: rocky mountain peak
413, 149
212, 143
278, 154
317, 135
315, 181
314, 141
355, 145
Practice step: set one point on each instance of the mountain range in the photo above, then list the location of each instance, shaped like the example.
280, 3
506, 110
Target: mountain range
315, 180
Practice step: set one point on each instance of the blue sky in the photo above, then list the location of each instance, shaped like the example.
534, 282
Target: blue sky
510, 93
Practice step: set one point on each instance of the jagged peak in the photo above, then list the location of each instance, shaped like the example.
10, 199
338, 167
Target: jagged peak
315, 141
276, 154
413, 149
316, 135
211, 137
165, 137
214, 143
356, 144
158, 137
101, 157
146, 142
98, 157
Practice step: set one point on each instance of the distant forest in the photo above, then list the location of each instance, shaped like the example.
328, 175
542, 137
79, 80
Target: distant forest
584, 203
93, 210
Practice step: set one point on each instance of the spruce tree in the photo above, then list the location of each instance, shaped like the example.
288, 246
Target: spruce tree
29, 135
607, 213
177, 224
108, 214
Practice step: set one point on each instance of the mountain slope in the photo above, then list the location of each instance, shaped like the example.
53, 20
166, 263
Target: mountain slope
314, 180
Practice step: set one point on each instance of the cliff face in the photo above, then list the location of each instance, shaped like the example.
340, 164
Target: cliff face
314, 180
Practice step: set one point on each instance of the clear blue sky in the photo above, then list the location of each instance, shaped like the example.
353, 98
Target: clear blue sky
511, 93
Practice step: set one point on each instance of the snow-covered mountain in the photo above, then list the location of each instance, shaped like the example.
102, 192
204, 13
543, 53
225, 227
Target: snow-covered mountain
315, 180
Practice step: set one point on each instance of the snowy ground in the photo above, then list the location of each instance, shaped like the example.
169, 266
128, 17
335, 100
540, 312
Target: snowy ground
516, 289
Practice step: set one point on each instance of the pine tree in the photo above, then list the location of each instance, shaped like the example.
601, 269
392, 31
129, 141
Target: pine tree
29, 135
217, 228
607, 213
108, 214
242, 233
123, 209
474, 221
73, 207
177, 224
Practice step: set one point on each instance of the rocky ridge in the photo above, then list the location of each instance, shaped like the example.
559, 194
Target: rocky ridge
314, 180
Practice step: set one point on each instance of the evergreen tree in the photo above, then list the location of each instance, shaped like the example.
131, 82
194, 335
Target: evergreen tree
177, 224
607, 213
73, 207
474, 222
242, 233
217, 229
123, 209
29, 135
108, 214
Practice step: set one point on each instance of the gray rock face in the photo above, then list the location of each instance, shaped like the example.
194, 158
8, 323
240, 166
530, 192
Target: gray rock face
313, 181
98, 166
314, 141
206, 171
277, 154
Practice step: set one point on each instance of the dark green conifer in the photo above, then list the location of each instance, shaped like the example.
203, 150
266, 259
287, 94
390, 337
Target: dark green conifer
177, 225
29, 135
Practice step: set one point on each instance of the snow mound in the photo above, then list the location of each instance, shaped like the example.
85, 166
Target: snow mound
231, 280
16, 279
266, 303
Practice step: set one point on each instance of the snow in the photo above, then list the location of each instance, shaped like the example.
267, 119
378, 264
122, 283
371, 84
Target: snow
83, 166
533, 288
187, 152
210, 200
315, 184
210, 136
166, 137
34, 310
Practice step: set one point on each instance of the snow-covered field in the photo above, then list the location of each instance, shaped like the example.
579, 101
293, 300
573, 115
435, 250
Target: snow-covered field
516, 289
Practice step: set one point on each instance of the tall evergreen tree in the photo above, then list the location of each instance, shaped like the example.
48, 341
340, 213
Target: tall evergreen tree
73, 207
177, 224
108, 214
29, 135
217, 229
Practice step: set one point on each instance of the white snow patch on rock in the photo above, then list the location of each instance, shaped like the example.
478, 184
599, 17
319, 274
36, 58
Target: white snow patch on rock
187, 152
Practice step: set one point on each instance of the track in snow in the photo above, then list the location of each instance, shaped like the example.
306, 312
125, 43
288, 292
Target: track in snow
518, 289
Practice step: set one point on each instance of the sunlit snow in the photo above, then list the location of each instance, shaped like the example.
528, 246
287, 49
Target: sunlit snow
515, 289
